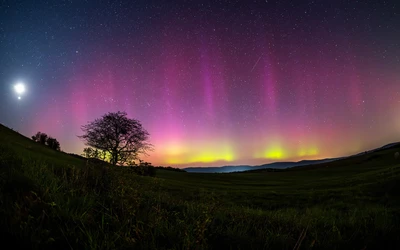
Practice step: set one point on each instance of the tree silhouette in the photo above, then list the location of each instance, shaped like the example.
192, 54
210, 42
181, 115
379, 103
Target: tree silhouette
40, 137
44, 139
88, 152
53, 143
121, 137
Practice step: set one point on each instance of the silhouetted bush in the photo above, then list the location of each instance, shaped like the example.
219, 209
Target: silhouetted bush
144, 169
44, 139
40, 137
171, 169
53, 143
94, 153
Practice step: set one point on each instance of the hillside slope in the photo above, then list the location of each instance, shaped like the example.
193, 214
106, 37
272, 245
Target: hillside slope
27, 147
51, 200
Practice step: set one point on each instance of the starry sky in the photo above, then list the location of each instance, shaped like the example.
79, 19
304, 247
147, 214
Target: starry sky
214, 82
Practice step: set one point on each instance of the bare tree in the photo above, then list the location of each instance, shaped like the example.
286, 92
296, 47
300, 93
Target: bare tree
123, 138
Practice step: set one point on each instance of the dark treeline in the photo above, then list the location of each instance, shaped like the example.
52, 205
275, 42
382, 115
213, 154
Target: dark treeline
44, 139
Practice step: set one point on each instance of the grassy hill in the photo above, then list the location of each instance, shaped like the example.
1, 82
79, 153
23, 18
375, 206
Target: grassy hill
52, 200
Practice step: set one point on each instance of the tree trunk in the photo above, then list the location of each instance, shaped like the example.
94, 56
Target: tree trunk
114, 157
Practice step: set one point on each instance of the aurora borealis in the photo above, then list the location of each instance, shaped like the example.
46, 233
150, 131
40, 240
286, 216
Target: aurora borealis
214, 82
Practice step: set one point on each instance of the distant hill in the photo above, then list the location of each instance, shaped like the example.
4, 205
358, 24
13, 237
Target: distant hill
280, 165
391, 145
242, 168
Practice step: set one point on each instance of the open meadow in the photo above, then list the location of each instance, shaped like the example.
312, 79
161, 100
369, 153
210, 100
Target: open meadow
53, 200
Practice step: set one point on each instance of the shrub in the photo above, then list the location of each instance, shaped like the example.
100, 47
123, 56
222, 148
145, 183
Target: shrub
144, 169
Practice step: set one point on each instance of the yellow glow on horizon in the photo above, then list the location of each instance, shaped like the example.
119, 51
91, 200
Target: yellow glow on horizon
274, 153
174, 153
174, 149
208, 157
174, 161
208, 153
313, 151
214, 152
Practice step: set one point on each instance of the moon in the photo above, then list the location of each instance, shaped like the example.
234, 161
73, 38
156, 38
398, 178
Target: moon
19, 88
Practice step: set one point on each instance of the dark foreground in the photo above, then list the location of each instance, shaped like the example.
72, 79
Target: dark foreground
51, 200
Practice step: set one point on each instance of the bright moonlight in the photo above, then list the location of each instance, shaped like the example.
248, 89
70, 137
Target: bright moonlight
19, 88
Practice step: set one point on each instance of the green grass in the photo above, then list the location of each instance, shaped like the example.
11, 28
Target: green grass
51, 200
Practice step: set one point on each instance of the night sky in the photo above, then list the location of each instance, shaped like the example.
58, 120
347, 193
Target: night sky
214, 82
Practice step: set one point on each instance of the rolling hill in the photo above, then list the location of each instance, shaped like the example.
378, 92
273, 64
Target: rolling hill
242, 168
280, 165
52, 200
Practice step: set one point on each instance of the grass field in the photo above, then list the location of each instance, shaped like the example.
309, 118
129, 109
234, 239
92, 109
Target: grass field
52, 200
